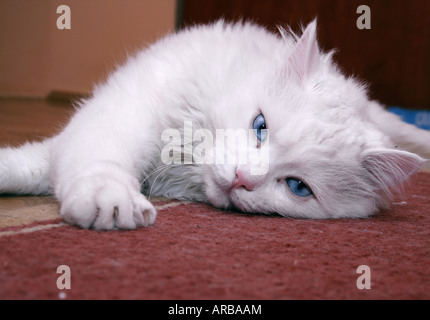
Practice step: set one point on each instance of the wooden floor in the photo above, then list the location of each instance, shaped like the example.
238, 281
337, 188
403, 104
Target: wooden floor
22, 120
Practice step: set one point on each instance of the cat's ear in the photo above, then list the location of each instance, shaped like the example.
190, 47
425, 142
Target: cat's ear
387, 168
305, 58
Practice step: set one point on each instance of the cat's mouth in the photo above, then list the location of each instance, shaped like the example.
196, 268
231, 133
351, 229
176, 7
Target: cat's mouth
227, 198
229, 193
237, 202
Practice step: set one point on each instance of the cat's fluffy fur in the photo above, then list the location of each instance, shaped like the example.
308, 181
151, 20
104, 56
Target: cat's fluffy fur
323, 130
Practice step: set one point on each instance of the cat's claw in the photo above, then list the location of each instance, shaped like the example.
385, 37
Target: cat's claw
104, 203
144, 212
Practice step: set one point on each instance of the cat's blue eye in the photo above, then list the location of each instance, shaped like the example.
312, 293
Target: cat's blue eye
259, 127
298, 187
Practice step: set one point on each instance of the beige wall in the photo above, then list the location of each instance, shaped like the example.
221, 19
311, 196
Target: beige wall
36, 57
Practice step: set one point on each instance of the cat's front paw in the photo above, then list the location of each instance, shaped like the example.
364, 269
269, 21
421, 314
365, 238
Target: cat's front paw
105, 201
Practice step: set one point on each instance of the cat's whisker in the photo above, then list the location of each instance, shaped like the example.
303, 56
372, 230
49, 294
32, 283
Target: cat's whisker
165, 168
153, 172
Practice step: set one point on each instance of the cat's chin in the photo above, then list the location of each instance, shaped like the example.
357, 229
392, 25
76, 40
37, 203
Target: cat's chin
237, 202
229, 204
219, 197
226, 200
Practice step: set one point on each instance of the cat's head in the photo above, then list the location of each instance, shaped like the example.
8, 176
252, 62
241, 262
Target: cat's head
325, 158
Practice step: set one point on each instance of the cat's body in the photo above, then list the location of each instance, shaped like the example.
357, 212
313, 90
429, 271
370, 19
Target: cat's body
332, 151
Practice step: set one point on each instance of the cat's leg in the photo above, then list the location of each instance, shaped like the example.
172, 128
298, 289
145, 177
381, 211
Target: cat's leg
103, 196
95, 170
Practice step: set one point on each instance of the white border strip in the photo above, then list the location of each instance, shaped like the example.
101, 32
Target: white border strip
32, 229
60, 224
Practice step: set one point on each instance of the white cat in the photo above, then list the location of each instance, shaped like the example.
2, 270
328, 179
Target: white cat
333, 153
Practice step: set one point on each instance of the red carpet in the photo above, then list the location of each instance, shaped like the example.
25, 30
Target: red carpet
197, 252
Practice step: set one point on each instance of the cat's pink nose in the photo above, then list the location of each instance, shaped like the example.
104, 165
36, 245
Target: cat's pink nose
242, 181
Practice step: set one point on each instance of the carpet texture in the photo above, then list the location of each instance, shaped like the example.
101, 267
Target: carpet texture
195, 251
